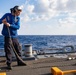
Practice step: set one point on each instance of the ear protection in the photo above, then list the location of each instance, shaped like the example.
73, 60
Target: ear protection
14, 9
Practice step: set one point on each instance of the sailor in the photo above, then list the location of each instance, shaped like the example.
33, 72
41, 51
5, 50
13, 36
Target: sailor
11, 21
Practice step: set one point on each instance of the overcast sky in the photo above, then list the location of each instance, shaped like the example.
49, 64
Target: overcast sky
44, 17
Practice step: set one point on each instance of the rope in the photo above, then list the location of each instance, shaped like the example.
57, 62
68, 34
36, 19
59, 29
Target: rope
13, 47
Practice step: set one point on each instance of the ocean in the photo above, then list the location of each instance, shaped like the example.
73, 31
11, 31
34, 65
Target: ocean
44, 41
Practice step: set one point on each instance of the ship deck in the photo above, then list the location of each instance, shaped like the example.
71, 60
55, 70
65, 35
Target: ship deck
40, 66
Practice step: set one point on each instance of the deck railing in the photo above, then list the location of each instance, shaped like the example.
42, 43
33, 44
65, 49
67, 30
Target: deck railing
58, 50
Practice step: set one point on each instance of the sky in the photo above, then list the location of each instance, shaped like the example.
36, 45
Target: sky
43, 17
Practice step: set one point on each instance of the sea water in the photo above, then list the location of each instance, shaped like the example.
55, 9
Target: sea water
40, 42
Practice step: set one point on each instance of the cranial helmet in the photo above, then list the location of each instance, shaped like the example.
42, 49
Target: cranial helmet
15, 8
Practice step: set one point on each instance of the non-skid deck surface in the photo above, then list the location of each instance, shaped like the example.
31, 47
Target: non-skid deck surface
40, 66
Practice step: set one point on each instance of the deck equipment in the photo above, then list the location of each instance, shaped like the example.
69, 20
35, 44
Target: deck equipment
57, 71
